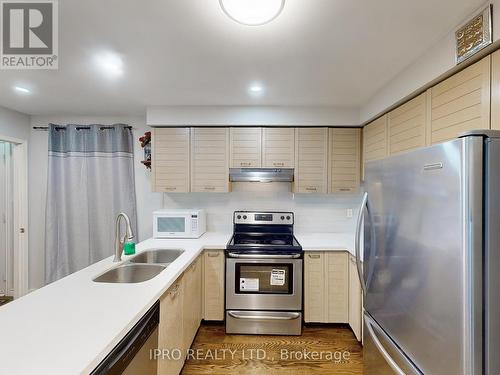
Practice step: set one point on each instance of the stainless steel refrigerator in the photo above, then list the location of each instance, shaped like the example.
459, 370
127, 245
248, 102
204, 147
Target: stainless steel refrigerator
430, 225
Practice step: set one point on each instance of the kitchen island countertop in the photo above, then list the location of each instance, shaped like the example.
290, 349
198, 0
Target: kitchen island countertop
69, 326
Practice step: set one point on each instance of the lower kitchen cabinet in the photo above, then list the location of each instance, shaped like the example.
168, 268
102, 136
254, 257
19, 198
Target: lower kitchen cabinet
332, 293
337, 287
170, 336
192, 301
213, 285
355, 299
326, 287
180, 318
314, 287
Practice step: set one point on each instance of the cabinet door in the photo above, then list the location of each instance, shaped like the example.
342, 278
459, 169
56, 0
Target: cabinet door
213, 285
209, 160
495, 90
170, 336
314, 288
170, 160
375, 140
407, 126
246, 147
311, 160
337, 288
278, 147
345, 160
461, 103
191, 302
355, 302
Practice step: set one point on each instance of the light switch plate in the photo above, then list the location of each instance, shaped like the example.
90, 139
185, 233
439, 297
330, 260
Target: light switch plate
349, 213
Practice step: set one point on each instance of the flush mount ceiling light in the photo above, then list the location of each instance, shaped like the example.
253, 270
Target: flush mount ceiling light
252, 12
256, 89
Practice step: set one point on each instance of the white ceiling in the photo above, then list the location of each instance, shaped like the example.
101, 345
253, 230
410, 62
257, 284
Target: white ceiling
188, 52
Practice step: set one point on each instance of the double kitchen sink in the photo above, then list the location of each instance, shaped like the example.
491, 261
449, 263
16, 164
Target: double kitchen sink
142, 267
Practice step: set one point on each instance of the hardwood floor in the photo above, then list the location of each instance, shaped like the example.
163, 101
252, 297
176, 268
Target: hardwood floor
214, 352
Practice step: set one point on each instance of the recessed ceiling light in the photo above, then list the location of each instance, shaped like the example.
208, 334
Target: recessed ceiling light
109, 63
22, 90
256, 89
252, 12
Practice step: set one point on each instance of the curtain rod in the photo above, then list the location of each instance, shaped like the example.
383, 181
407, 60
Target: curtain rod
78, 127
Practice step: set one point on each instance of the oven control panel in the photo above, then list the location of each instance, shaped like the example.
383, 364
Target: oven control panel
247, 217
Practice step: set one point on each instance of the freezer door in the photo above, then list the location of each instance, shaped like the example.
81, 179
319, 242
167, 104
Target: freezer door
380, 355
422, 250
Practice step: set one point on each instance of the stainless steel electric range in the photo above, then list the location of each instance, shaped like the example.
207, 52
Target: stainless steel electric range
264, 264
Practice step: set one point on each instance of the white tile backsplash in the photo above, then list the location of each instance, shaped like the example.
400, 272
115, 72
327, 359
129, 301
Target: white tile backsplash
315, 213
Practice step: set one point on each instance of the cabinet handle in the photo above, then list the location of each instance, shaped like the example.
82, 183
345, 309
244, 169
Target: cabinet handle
170, 188
213, 255
175, 291
245, 164
279, 164
314, 256
209, 187
345, 189
311, 188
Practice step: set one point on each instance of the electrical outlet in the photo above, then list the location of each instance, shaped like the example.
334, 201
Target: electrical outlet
349, 213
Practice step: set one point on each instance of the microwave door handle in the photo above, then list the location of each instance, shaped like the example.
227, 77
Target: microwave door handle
357, 242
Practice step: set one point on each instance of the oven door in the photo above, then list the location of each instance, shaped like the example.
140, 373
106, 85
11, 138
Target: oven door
264, 284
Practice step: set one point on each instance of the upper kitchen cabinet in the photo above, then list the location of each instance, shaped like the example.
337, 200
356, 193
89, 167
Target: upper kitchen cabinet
210, 160
345, 160
375, 140
278, 147
311, 160
170, 160
246, 147
407, 125
495, 90
461, 103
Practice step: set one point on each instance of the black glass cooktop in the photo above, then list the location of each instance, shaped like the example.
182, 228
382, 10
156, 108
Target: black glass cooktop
264, 242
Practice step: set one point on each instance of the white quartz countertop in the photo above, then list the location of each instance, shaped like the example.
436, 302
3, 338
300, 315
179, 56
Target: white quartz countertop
69, 326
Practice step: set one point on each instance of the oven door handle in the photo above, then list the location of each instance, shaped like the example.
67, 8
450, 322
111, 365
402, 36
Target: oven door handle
282, 316
264, 256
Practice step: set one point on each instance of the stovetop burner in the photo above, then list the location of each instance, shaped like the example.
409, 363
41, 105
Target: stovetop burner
263, 233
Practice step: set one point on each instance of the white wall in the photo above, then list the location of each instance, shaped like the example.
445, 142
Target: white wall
14, 124
432, 64
252, 115
320, 213
147, 201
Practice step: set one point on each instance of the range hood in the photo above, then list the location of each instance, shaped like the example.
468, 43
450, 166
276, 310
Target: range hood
261, 175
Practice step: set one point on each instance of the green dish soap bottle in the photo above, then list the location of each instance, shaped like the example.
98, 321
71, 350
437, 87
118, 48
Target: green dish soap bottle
129, 248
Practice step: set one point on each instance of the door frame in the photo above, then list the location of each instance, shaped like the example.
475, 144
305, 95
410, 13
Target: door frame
20, 224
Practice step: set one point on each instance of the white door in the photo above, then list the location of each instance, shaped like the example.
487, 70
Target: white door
6, 216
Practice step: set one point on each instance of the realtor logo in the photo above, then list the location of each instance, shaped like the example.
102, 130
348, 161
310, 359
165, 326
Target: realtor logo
28, 34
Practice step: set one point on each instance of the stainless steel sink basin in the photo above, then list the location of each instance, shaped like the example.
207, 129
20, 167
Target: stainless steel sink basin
157, 256
130, 273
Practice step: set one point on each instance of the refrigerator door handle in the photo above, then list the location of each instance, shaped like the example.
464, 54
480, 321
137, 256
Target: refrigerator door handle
381, 348
357, 242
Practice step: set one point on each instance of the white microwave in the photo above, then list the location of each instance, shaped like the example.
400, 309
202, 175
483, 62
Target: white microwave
179, 223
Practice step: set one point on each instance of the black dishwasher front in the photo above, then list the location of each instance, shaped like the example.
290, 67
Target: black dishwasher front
122, 355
